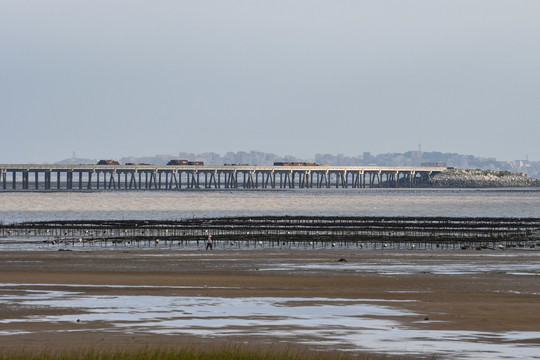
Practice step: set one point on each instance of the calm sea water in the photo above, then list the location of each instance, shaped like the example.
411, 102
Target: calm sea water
25, 206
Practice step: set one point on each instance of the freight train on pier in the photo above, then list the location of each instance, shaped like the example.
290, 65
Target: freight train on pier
296, 163
185, 162
178, 162
172, 162
108, 162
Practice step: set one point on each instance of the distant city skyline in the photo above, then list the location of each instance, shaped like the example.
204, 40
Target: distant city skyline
74, 154
302, 78
409, 158
184, 154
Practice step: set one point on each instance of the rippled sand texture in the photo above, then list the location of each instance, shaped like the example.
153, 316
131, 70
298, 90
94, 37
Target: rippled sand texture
353, 202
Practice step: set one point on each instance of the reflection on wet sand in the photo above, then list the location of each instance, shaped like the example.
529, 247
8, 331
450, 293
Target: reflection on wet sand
345, 324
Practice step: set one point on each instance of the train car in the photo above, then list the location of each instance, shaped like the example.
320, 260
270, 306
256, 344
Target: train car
295, 163
108, 162
198, 163
178, 162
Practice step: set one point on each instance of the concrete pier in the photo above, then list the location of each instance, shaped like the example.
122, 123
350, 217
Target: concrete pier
27, 177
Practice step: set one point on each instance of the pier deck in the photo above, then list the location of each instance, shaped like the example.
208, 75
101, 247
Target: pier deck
25, 177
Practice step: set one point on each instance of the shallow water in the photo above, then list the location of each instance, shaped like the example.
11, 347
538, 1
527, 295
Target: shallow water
27, 206
398, 263
346, 324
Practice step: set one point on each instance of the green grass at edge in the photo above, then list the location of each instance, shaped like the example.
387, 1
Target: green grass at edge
225, 353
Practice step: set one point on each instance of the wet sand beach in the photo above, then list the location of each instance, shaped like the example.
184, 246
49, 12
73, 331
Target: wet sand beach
449, 303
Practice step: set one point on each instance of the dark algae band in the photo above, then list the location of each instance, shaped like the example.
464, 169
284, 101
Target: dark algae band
288, 228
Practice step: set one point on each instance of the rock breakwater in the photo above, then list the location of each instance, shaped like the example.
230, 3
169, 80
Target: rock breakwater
458, 178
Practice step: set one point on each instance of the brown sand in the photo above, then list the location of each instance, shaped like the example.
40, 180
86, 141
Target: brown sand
488, 301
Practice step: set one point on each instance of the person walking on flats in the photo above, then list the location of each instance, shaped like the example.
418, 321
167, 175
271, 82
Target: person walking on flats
209, 242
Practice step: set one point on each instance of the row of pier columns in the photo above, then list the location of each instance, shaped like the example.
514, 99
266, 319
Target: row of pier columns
196, 179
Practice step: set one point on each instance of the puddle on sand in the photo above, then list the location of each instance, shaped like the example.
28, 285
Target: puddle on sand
404, 268
342, 324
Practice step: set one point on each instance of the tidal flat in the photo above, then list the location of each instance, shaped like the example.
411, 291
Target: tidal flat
419, 303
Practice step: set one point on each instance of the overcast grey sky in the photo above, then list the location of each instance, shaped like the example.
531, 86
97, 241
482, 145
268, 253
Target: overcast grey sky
114, 78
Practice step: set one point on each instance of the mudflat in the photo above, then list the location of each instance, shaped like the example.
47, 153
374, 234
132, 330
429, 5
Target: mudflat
485, 291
